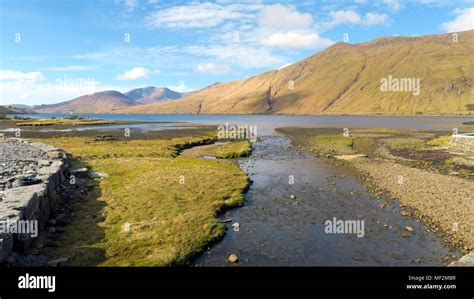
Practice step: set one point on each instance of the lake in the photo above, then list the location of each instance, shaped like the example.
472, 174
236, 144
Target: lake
267, 123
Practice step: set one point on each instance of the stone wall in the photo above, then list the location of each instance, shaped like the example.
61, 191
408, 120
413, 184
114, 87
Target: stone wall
463, 143
30, 178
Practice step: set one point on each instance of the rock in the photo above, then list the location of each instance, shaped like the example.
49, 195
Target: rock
292, 196
465, 261
44, 163
409, 229
79, 171
32, 261
233, 259
97, 175
61, 262
126, 227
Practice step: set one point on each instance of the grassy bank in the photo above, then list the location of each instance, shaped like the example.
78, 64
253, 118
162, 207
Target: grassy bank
222, 150
153, 208
431, 181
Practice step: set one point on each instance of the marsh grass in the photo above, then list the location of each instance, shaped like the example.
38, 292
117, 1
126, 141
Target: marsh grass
419, 149
157, 209
319, 140
61, 121
222, 150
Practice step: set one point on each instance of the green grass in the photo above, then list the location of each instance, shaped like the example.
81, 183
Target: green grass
236, 149
170, 204
440, 141
321, 141
418, 149
88, 148
60, 121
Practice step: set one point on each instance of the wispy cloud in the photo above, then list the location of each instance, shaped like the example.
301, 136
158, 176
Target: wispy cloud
136, 73
72, 68
464, 20
292, 40
9, 75
212, 68
198, 15
284, 17
340, 17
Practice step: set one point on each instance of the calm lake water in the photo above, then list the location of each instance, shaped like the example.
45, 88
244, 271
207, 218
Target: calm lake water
267, 123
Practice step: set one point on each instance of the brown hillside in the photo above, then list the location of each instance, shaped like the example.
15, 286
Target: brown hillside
346, 78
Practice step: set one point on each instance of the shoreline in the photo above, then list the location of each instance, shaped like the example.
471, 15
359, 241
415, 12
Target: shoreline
381, 176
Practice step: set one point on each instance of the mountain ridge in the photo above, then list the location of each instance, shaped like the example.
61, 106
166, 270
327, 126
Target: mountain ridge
346, 79
110, 100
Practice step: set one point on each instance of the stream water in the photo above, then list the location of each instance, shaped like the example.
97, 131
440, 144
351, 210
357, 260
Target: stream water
278, 229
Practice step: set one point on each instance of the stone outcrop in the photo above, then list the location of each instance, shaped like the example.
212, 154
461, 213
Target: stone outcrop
30, 178
463, 143
465, 261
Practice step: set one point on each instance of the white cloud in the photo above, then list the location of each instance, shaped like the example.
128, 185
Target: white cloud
284, 17
196, 15
464, 21
352, 17
72, 68
134, 74
30, 93
181, 87
244, 56
212, 68
343, 16
130, 4
293, 40
375, 19
33, 77
394, 5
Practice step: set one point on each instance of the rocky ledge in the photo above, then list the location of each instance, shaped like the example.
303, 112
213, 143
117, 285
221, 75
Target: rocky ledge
30, 178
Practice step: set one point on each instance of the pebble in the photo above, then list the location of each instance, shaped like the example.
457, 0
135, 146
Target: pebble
233, 259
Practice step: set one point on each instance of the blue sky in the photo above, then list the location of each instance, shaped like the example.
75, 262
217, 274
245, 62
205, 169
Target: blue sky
54, 50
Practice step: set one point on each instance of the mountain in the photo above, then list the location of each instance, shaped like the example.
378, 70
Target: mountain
6, 110
99, 102
20, 106
149, 95
349, 79
15, 109
108, 101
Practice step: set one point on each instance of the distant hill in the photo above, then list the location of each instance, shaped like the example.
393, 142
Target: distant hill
347, 79
12, 109
5, 110
108, 101
149, 95
104, 101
